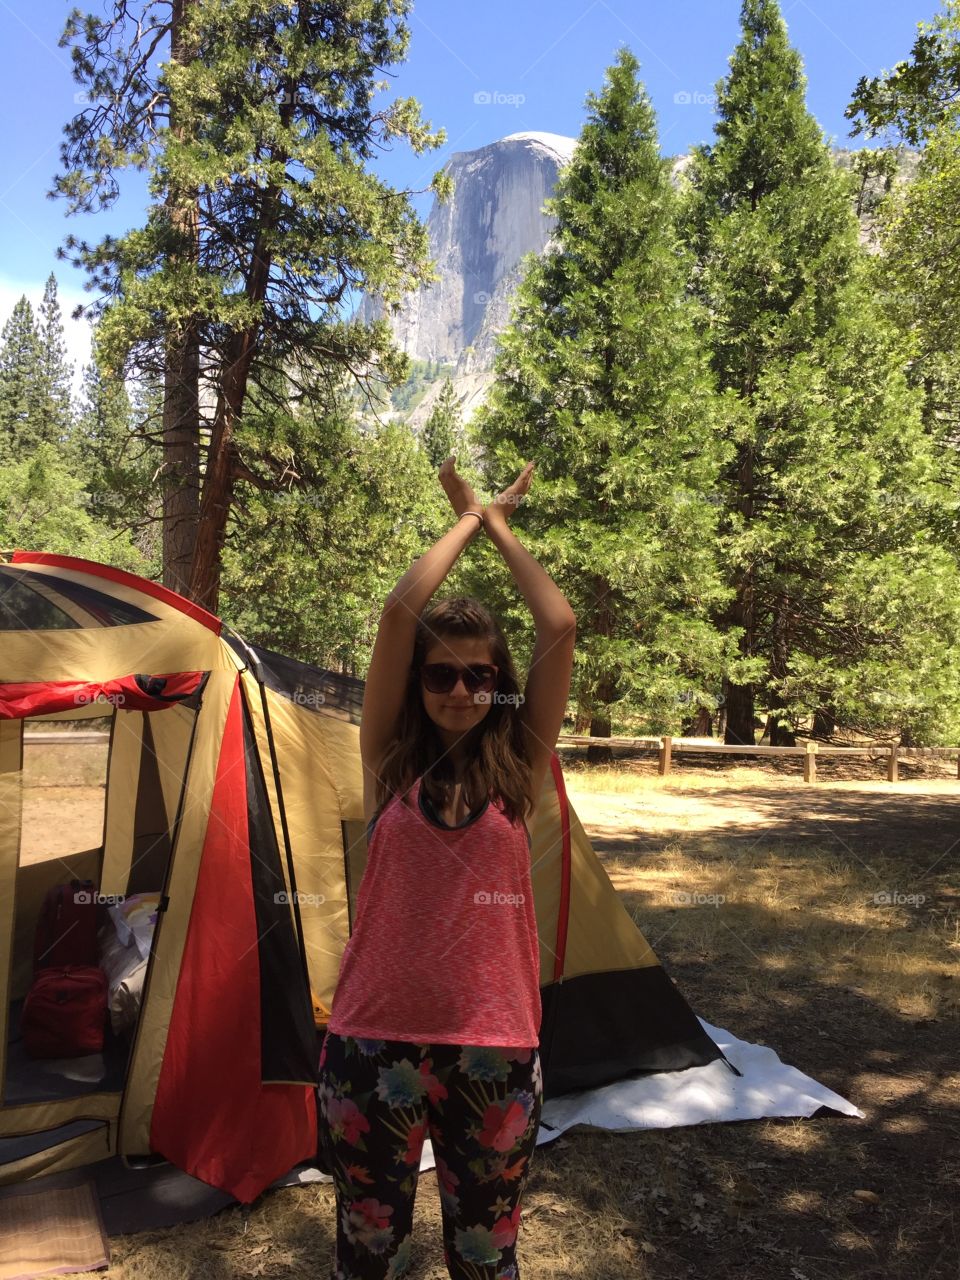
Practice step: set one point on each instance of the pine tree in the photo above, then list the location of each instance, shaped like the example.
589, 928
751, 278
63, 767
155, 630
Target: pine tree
112, 456
351, 490
21, 384
442, 431
832, 480
274, 122
56, 371
918, 268
44, 506
602, 382
921, 93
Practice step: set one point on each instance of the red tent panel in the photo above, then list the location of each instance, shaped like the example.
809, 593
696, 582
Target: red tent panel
213, 1116
45, 697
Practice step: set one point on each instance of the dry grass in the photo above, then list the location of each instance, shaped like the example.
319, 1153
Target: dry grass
796, 952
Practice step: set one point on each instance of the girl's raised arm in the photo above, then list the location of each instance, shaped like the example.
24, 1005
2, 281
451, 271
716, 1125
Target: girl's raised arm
386, 681
551, 665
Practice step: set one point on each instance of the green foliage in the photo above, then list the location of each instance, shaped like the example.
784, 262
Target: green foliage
918, 282
266, 221
917, 96
43, 507
443, 430
421, 376
21, 385
833, 476
601, 380
35, 376
110, 449
56, 372
316, 561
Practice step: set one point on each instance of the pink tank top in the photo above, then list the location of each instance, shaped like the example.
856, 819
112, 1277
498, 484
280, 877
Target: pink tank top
444, 948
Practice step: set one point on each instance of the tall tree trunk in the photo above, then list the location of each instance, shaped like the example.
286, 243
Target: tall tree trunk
180, 473
181, 458
600, 723
738, 704
700, 724
216, 497
605, 689
739, 728
781, 735
824, 722
581, 723
739, 698
218, 481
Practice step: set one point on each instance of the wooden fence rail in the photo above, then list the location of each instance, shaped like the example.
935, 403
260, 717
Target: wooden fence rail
666, 745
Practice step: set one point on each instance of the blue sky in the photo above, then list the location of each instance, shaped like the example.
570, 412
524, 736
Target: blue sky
480, 71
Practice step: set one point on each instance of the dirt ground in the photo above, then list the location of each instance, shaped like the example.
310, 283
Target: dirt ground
805, 954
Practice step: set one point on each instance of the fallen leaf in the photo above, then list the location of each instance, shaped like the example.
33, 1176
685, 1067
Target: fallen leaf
867, 1197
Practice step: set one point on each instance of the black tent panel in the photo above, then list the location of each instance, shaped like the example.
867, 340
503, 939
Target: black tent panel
313, 688
288, 1038
601, 1027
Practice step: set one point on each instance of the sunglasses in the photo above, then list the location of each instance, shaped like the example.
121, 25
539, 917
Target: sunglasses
440, 677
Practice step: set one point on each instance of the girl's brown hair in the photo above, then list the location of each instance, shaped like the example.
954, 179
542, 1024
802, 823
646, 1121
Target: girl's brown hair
498, 759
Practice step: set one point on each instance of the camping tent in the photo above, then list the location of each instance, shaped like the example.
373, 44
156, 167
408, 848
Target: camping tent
233, 794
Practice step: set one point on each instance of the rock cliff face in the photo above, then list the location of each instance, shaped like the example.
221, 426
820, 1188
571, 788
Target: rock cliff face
477, 239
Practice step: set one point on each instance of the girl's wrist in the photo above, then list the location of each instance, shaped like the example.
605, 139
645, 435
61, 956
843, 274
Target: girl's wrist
492, 522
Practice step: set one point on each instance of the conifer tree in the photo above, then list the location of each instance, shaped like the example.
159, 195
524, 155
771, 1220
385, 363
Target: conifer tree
832, 482
21, 384
110, 452
603, 383
442, 431
270, 120
918, 267
56, 371
43, 506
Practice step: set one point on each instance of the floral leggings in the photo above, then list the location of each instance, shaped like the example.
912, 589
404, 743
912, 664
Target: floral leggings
480, 1106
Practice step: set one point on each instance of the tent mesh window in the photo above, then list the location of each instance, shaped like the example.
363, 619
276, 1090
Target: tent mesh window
38, 602
328, 692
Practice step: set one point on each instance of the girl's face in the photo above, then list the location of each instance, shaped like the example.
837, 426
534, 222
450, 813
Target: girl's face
458, 711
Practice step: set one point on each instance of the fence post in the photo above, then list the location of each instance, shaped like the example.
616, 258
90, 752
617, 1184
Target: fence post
893, 771
810, 763
666, 751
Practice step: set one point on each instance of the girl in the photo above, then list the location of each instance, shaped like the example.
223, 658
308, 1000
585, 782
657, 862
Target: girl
435, 1019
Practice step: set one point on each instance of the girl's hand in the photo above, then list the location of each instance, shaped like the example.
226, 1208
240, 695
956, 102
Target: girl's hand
502, 507
459, 491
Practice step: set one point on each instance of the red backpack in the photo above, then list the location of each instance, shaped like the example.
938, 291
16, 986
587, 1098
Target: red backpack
65, 1012
66, 930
